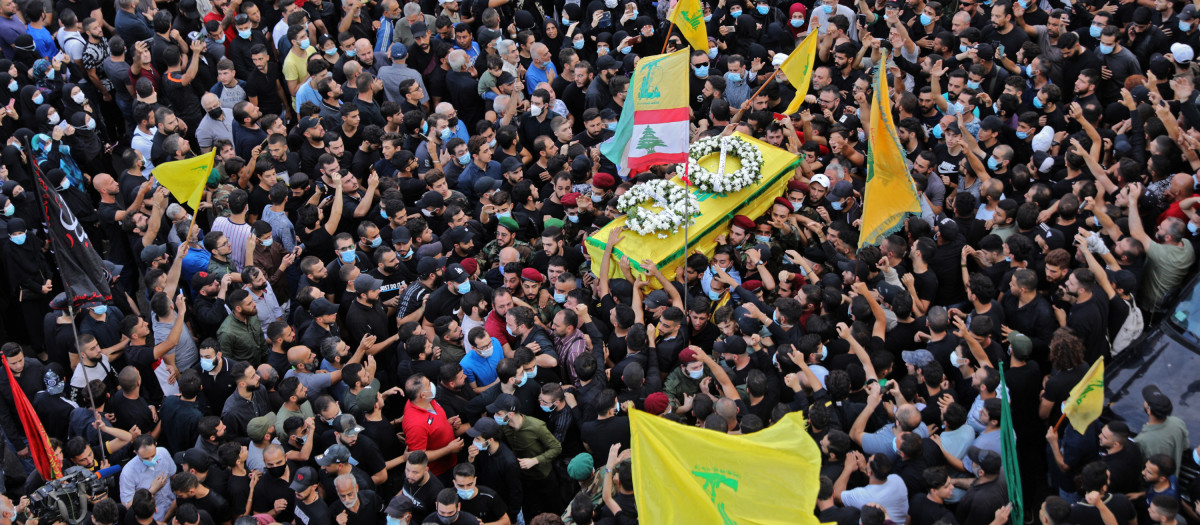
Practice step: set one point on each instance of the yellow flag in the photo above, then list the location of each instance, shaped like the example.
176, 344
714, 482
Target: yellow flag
690, 475
186, 178
1087, 398
799, 68
890, 195
688, 17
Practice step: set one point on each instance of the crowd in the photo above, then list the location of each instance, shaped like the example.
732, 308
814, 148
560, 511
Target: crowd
385, 314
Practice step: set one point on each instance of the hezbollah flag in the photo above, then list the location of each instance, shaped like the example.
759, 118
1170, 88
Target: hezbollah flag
890, 195
186, 178
39, 443
692, 475
653, 128
1087, 398
799, 68
1008, 449
688, 17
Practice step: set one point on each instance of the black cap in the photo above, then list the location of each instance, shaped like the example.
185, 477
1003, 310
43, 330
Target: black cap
428, 265
1141, 15
431, 199
401, 235
321, 307
456, 274
486, 427
1160, 405
458, 235
305, 478
509, 164
486, 184
419, 29
987, 460
606, 62
503, 402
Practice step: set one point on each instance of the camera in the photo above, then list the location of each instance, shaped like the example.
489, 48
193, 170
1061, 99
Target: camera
66, 498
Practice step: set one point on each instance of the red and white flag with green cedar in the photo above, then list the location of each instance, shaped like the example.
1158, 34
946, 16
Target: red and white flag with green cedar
653, 128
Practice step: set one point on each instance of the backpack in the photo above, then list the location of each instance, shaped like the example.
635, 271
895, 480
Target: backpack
1130, 330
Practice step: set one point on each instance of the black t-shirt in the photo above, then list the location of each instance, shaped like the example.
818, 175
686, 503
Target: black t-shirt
1117, 503
215, 504
315, 513
263, 86
370, 509
601, 434
132, 412
923, 511
926, 284
839, 515
368, 454
268, 491
182, 98
1125, 468
486, 505
142, 357
424, 496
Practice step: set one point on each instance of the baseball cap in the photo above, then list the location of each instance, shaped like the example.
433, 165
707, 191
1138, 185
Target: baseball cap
821, 179
197, 459
841, 190
1188, 13
321, 306
656, 299
1021, 345
733, 344
1182, 52
401, 504
458, 235
401, 235
202, 279
985, 51
153, 252
431, 199
399, 51
433, 249
336, 453
54, 383
987, 460
505, 78
486, 184
455, 273
419, 29
503, 402
258, 427
428, 265
486, 428
308, 123
606, 62
366, 398
509, 164
346, 425
917, 358
992, 123
1160, 405
366, 283
305, 477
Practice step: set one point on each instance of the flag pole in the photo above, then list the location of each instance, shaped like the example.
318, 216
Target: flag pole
667, 41
764, 84
86, 381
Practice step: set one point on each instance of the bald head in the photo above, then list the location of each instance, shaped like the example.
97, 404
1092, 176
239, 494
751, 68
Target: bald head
1181, 186
267, 372
908, 417
509, 255
299, 355
210, 101
363, 47
726, 408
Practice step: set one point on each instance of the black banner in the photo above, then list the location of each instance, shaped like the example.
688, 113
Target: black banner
81, 267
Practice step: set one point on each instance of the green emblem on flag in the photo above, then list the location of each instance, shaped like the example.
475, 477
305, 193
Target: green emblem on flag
649, 141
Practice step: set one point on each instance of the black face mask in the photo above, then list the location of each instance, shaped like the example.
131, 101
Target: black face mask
277, 472
454, 122
216, 113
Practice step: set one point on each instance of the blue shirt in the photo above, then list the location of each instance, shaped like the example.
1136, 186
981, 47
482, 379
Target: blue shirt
281, 228
479, 370
43, 41
306, 93
535, 76
136, 475
466, 179
472, 52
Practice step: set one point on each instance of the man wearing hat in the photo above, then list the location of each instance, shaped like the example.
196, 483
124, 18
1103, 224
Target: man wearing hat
987, 493
741, 233
446, 299
392, 75
684, 380
367, 315
308, 498
495, 464
337, 461
507, 231
347, 432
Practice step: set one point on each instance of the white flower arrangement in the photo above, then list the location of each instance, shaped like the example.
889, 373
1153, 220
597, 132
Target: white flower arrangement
709, 182
657, 206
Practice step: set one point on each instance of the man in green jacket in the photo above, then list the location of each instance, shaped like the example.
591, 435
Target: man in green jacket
536, 450
240, 334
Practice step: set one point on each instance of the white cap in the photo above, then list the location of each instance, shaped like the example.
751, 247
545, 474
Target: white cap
822, 180
1182, 52
778, 59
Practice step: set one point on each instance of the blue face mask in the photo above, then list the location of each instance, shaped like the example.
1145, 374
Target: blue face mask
733, 77
207, 365
18, 239
824, 352
735, 14
393, 521
351, 53
1094, 31
50, 74
937, 131
573, 218
696, 374
626, 50
1023, 3
347, 256
507, 214
99, 310
828, 9
12, 86
383, 213
425, 128
1021, 135
712, 52
926, 19
376, 242
837, 205
578, 44
305, 43
1037, 103
993, 164
510, 331
465, 158
481, 446
972, 84
446, 133
244, 33
962, 48
1193, 228
464, 287
566, 21
708, 17
1029, 72
763, 9
500, 420
546, 409
1184, 26
797, 22
635, 15
701, 71
150, 462
714, 296
268, 243
38, 98
612, 126
895, 449
560, 298
763, 239
331, 51
408, 254
465, 494
1107, 50
492, 143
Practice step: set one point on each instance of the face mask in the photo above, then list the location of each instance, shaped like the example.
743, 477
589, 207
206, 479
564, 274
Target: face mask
714, 296
446, 134
150, 462
926, 19
426, 212
597, 198
1106, 50
466, 493
432, 391
1184, 26
531, 374
1094, 31
50, 74
53, 119
937, 131
958, 107
79, 97
566, 21
701, 71
351, 53
485, 352
207, 365
735, 14
837, 205
733, 77
244, 33
465, 158
626, 50
18, 239
712, 53
546, 409
824, 352
1037, 103
828, 9
394, 521
993, 164
347, 256
996, 108
424, 128
66, 183
560, 298
612, 126
797, 22
448, 519
696, 374
895, 449
1029, 71
1021, 135
12, 86
464, 287
972, 84
708, 18
763, 239
1023, 3
500, 420
492, 143
304, 43
38, 99
635, 14
1192, 227
535, 110
9, 210
277, 472
578, 44
962, 48
1196, 456
762, 9
331, 51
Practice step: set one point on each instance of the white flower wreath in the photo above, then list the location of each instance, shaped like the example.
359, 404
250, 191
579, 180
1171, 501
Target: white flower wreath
709, 182
667, 205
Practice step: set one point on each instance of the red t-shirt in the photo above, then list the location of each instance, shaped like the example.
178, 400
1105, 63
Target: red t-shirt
497, 327
424, 430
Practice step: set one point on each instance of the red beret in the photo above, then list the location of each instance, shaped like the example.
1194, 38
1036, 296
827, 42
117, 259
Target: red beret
782, 201
470, 265
531, 274
752, 285
570, 200
743, 222
603, 181
657, 403
797, 185
687, 355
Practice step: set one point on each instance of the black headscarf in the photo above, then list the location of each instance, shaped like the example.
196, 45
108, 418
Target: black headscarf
85, 143
26, 109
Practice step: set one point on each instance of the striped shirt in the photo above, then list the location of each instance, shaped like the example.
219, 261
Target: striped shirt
237, 234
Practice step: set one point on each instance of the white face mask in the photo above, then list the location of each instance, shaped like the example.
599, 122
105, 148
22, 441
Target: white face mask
53, 119
79, 97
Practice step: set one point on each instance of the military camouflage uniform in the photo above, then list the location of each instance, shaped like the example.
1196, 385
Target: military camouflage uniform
491, 253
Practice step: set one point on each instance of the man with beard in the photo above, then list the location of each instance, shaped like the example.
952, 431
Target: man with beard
367, 317
241, 334
247, 402
273, 494
593, 134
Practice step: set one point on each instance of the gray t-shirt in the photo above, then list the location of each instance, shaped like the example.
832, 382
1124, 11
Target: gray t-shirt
117, 73
187, 355
209, 130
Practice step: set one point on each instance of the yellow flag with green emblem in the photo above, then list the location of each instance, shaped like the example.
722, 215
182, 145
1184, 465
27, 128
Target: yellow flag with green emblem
1087, 398
690, 475
185, 179
688, 16
890, 196
799, 69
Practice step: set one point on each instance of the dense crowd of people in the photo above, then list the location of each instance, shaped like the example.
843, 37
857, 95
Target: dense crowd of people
385, 312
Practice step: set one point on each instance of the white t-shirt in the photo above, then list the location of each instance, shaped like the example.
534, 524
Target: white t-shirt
100, 371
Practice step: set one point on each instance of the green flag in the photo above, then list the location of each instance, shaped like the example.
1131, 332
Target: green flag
1008, 447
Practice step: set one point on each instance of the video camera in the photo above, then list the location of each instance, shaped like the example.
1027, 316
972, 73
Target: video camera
66, 498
